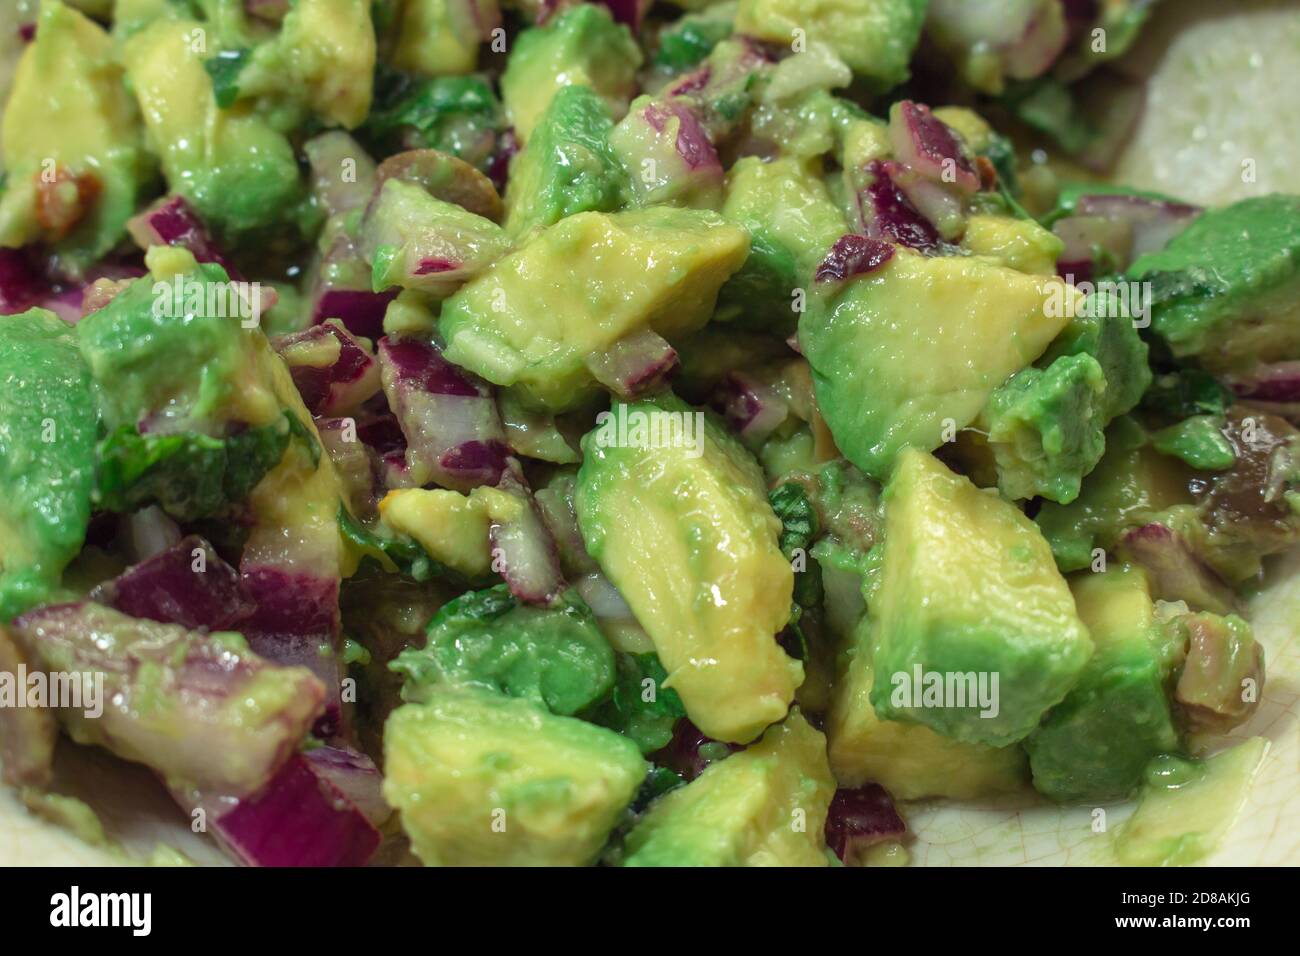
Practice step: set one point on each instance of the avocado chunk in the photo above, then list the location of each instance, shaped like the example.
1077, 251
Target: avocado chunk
440, 37
1094, 745
687, 41
555, 657
568, 166
581, 46
416, 241
874, 37
1227, 288
1187, 806
910, 761
685, 532
184, 392
237, 169
323, 57
792, 223
68, 107
765, 806
1019, 244
969, 598
47, 456
1131, 485
534, 320
486, 780
913, 350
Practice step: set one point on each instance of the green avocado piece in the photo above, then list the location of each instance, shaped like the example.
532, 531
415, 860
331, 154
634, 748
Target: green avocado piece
792, 223
1101, 329
436, 37
1045, 428
47, 456
487, 780
684, 530
686, 42
573, 290
1227, 288
69, 114
969, 597
555, 656
1198, 441
415, 240
1094, 745
237, 169
189, 409
874, 37
1188, 806
582, 46
911, 761
765, 806
909, 353
1130, 486
568, 165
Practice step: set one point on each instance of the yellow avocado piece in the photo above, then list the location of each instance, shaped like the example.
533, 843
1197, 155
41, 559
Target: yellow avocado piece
578, 287
909, 760
69, 110
451, 527
765, 806
911, 352
1019, 244
481, 779
690, 541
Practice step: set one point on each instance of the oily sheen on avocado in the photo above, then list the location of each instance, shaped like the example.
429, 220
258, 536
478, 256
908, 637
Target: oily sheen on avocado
513, 433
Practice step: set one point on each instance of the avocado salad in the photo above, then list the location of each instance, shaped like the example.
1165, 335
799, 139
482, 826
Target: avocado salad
535, 432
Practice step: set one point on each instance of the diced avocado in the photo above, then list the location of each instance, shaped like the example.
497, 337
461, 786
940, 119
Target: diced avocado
685, 532
1130, 485
1187, 806
1019, 244
1198, 441
568, 166
910, 761
792, 223
765, 806
324, 56
450, 526
969, 598
912, 351
580, 46
1094, 745
47, 456
685, 42
576, 288
874, 37
555, 657
234, 166
417, 241
486, 780
667, 154
1045, 428
1227, 288
439, 37
1102, 330
184, 391
72, 146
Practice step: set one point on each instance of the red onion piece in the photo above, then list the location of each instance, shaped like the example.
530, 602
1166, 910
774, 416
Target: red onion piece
1176, 573
926, 144
172, 221
635, 365
861, 818
853, 255
345, 384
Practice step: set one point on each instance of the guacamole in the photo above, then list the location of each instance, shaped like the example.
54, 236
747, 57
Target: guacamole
565, 434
